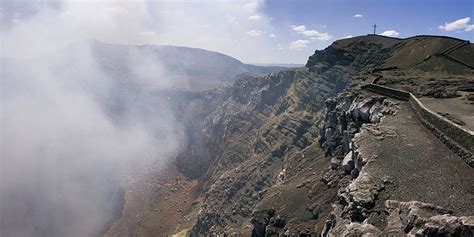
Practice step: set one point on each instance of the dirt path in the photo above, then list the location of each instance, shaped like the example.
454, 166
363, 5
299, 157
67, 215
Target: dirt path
418, 166
156, 204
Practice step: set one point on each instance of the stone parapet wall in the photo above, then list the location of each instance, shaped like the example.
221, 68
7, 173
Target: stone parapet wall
398, 94
457, 138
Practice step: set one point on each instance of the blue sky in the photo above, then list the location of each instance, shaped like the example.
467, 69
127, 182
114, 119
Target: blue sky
407, 17
337, 17
255, 31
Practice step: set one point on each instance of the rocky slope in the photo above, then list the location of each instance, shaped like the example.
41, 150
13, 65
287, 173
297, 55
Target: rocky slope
295, 152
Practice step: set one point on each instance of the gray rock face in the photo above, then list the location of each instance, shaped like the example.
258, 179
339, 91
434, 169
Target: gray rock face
375, 113
346, 141
348, 163
353, 162
364, 190
371, 110
275, 227
358, 229
424, 219
364, 110
408, 219
343, 120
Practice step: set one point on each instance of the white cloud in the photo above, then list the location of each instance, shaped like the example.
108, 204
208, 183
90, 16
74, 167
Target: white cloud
314, 34
300, 28
299, 44
254, 33
181, 23
358, 15
461, 24
469, 28
347, 37
255, 17
253, 5
317, 35
272, 36
390, 33
310, 33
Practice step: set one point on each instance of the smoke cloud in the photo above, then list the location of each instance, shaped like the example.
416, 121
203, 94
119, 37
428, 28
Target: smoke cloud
70, 130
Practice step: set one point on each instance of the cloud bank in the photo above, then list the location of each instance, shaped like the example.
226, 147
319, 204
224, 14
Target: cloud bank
390, 33
299, 44
315, 35
255, 32
462, 24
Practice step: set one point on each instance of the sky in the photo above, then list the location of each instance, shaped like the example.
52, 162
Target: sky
253, 31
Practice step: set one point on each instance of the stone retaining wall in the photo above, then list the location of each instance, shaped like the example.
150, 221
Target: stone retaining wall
457, 138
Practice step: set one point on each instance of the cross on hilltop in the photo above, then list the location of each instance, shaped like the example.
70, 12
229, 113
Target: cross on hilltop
375, 27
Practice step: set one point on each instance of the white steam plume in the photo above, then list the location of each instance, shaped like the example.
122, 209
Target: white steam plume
64, 144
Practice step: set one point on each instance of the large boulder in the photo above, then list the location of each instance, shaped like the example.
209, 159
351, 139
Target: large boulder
375, 112
365, 189
361, 110
355, 229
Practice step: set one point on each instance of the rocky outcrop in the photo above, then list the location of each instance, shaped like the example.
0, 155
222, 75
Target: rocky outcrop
363, 53
352, 213
412, 219
345, 115
330, 57
344, 119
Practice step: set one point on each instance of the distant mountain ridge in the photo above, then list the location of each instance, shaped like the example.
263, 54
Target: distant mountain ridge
181, 65
288, 65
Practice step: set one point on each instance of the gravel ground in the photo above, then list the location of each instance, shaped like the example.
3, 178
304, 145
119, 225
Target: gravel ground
458, 107
418, 165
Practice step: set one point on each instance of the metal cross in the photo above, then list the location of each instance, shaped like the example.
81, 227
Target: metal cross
375, 27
